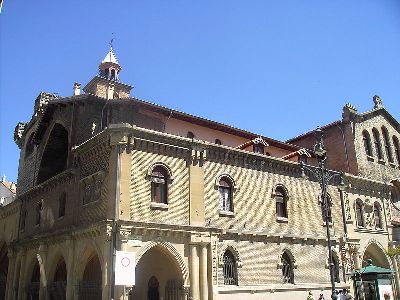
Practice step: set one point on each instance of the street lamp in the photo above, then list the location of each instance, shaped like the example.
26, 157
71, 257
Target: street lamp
324, 177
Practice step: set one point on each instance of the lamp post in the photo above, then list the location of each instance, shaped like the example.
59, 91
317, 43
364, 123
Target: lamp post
324, 177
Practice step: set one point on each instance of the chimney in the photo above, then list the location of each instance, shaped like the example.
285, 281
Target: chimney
77, 89
3, 178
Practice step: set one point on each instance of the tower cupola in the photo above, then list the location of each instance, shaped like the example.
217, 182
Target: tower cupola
107, 84
110, 67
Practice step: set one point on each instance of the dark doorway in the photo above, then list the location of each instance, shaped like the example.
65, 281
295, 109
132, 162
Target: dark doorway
34, 285
90, 288
57, 289
152, 291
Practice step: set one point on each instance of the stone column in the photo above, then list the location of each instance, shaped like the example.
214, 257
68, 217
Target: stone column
10, 274
21, 284
14, 292
194, 272
71, 278
203, 272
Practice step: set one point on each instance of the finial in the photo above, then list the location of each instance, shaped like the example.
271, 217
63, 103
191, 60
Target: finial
377, 101
112, 40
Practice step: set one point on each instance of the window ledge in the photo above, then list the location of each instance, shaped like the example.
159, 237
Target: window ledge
61, 217
159, 206
370, 230
370, 158
226, 213
382, 162
392, 164
282, 219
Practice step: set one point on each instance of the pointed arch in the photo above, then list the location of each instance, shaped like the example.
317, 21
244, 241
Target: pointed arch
375, 251
287, 265
54, 257
55, 154
234, 251
90, 249
169, 249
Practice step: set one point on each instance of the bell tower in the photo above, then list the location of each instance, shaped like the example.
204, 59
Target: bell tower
109, 67
107, 84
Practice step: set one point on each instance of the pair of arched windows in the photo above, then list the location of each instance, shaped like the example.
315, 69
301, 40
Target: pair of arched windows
360, 214
378, 145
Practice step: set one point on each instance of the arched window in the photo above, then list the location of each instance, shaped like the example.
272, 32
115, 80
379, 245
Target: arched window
190, 135
377, 143
377, 216
225, 194
54, 159
388, 148
61, 205
39, 208
327, 211
218, 142
112, 74
287, 268
360, 213
335, 270
281, 202
159, 185
367, 143
229, 269
396, 148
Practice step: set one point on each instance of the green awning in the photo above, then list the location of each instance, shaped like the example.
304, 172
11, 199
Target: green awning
371, 269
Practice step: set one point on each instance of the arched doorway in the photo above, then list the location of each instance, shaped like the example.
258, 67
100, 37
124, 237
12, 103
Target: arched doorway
3, 269
90, 288
158, 276
374, 255
34, 284
377, 255
57, 289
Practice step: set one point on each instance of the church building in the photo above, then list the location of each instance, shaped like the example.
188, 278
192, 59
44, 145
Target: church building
209, 211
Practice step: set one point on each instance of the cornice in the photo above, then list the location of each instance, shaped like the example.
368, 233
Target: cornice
49, 184
56, 237
10, 209
360, 185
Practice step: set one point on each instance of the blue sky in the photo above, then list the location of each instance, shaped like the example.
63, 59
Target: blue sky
278, 68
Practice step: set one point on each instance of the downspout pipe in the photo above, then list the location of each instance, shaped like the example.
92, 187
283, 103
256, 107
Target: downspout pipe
115, 220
